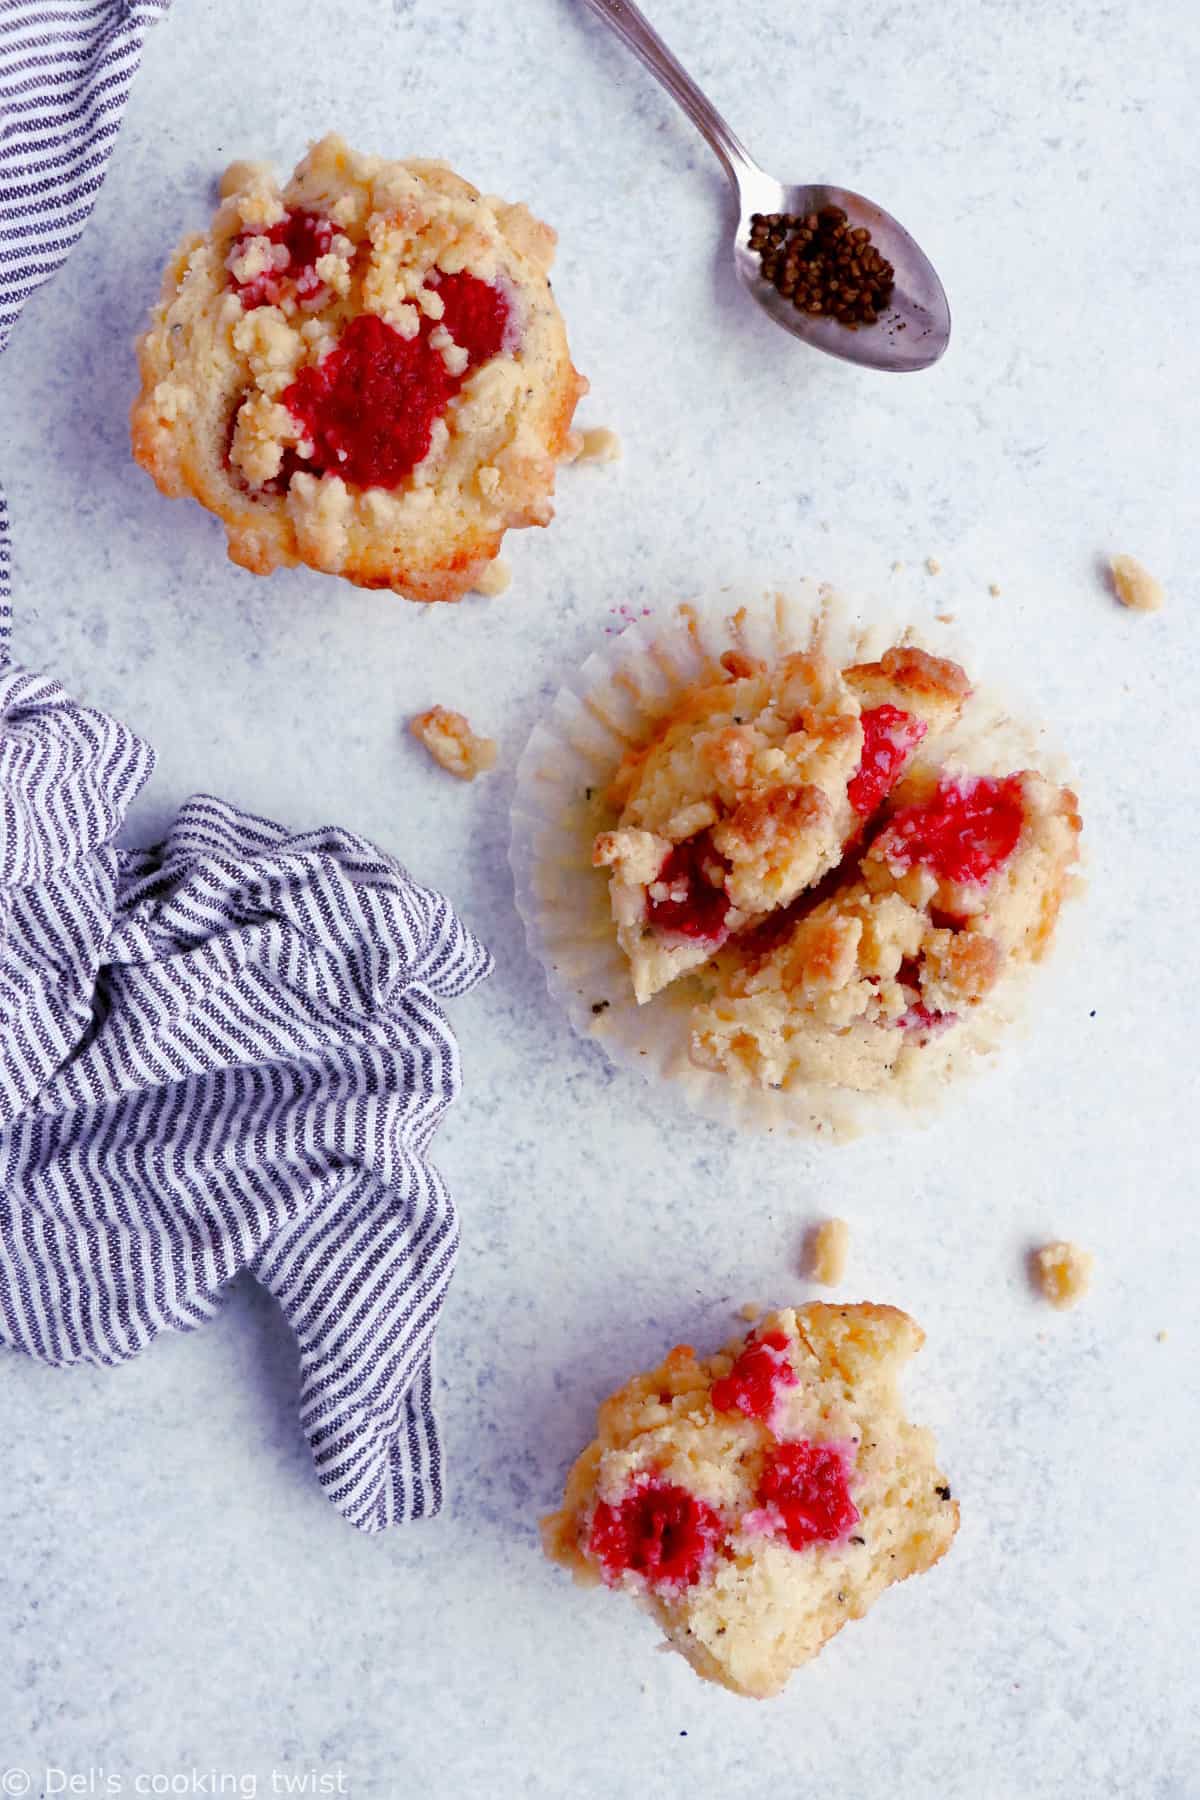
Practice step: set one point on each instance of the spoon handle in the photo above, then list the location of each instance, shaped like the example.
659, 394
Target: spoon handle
636, 30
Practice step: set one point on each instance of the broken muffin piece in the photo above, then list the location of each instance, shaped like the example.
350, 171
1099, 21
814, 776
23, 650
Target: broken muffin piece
450, 741
1063, 1272
1134, 585
756, 1500
751, 792
828, 1251
963, 882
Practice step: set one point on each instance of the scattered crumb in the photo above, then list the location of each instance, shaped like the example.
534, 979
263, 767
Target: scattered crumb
993, 587
1063, 1272
1135, 586
933, 565
896, 567
945, 618
597, 445
751, 1311
450, 741
1160, 1337
496, 579
828, 1248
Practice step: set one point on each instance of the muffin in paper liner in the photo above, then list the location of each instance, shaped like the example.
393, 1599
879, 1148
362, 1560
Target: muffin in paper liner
615, 703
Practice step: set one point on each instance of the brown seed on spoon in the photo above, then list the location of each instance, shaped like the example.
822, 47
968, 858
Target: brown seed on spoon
826, 267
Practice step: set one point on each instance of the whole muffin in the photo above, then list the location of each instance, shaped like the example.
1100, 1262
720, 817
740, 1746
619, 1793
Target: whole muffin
365, 371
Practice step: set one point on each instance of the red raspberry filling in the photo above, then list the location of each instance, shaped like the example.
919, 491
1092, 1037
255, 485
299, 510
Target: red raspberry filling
889, 739
808, 1486
920, 1018
695, 905
659, 1530
963, 833
369, 407
305, 236
754, 1382
474, 313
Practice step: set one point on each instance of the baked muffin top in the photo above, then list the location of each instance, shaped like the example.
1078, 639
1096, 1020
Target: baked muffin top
364, 370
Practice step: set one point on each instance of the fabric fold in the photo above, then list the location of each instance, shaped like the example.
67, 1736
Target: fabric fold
223, 1053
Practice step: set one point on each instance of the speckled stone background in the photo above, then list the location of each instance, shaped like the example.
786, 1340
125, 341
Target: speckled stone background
180, 1604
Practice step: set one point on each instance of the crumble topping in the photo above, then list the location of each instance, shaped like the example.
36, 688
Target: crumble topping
450, 741
828, 1252
1064, 1273
1134, 585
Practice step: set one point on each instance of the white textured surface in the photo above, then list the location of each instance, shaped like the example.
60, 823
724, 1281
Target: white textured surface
176, 1593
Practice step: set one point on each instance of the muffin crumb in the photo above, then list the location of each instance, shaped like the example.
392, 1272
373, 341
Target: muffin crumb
752, 1310
450, 741
933, 565
1160, 1337
596, 444
994, 588
495, 580
1134, 585
829, 1247
1063, 1272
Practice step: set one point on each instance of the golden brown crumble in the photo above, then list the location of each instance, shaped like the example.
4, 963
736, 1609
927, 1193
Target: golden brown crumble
595, 444
829, 1248
1135, 587
450, 741
1063, 1272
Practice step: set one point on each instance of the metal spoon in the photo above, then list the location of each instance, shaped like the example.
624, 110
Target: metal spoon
915, 329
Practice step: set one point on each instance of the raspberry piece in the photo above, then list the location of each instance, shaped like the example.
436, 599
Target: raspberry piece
756, 1378
659, 1531
694, 904
966, 830
889, 738
808, 1485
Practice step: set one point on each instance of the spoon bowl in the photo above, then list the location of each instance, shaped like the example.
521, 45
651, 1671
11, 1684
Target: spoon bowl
912, 331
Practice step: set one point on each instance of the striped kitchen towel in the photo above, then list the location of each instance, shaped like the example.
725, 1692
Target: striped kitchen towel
66, 67
225, 1053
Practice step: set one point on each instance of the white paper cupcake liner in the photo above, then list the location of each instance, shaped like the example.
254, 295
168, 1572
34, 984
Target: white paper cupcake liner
614, 703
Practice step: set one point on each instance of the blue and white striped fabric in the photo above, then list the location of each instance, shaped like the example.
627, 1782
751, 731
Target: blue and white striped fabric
66, 67
225, 1053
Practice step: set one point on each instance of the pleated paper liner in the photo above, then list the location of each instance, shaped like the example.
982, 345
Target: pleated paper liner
615, 703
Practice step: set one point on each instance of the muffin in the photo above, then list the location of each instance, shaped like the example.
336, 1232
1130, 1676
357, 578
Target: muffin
750, 792
755, 1501
365, 371
796, 865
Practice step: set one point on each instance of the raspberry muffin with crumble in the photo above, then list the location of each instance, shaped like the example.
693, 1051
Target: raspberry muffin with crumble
365, 371
757, 1500
795, 865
